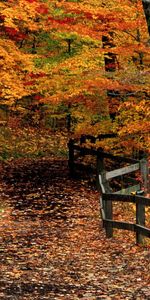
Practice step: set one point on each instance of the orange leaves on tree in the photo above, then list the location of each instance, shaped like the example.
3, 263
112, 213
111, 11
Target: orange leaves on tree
71, 65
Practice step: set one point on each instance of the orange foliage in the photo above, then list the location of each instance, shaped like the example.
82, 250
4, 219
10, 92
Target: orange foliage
79, 76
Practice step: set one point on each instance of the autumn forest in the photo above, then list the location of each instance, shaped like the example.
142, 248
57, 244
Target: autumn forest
90, 60
71, 69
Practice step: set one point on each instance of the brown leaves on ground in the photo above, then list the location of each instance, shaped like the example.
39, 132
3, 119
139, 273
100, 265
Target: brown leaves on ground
53, 245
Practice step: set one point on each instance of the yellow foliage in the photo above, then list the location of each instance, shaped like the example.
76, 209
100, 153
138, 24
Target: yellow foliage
13, 66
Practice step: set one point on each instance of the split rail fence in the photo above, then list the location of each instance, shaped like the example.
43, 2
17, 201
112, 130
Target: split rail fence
103, 183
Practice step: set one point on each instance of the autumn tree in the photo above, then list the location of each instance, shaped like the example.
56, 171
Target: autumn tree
146, 6
18, 24
90, 22
65, 48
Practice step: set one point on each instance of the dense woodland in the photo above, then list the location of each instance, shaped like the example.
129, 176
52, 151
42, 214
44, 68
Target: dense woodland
70, 69
74, 65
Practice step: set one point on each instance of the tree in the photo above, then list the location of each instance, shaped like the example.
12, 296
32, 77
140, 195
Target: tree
18, 22
146, 6
131, 76
77, 45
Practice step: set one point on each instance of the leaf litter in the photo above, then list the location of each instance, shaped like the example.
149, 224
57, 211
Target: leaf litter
53, 245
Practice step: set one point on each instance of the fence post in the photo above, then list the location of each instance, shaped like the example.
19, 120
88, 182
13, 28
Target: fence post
102, 188
108, 215
140, 220
99, 168
82, 139
68, 121
71, 156
144, 173
106, 205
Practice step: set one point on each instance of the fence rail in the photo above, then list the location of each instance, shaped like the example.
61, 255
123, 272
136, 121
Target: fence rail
77, 148
124, 195
122, 171
108, 196
139, 228
80, 150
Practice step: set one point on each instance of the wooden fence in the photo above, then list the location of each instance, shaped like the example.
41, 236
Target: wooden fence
79, 149
139, 228
123, 195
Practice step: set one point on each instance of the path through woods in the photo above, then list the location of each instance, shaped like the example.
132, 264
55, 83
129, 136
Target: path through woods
52, 242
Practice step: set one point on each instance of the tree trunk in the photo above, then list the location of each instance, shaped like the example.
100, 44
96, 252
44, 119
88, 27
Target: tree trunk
146, 7
109, 57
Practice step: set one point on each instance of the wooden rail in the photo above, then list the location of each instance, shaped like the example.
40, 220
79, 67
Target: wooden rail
80, 150
139, 228
104, 178
123, 195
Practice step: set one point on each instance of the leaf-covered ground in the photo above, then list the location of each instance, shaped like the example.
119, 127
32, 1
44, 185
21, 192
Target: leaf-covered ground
53, 245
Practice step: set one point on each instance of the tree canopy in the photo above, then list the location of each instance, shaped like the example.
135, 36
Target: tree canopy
92, 56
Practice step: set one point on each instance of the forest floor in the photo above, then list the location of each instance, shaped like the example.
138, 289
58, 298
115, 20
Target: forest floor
53, 245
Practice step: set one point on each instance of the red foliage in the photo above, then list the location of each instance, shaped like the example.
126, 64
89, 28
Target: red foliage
42, 9
14, 34
67, 20
11, 31
31, 1
35, 76
88, 15
2, 18
37, 97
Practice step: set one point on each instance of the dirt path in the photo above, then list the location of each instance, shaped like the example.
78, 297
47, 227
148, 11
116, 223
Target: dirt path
52, 242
